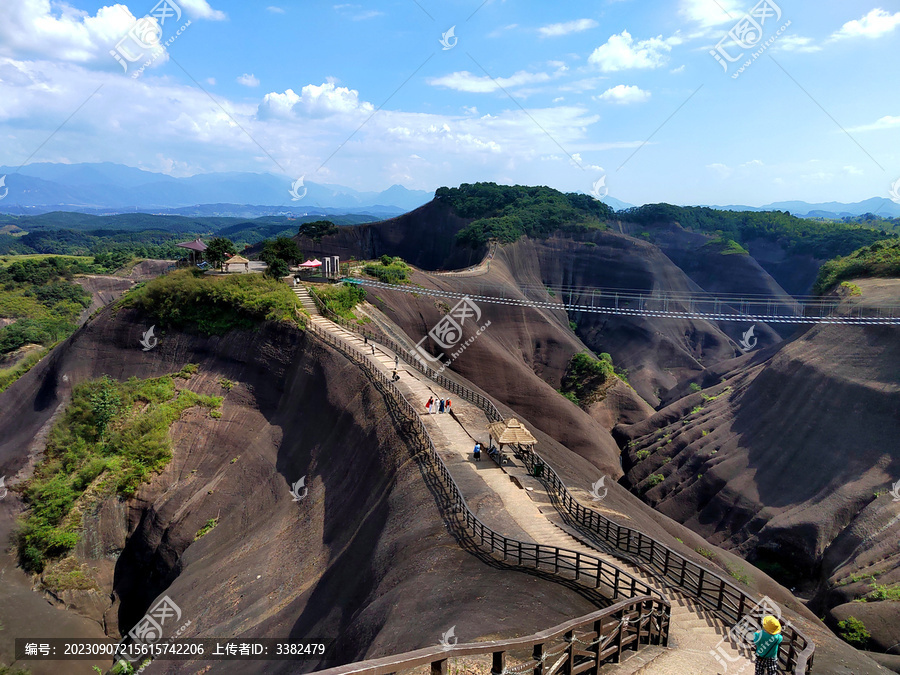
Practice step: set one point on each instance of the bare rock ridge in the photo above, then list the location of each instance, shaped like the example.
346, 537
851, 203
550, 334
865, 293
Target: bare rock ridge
357, 559
828, 399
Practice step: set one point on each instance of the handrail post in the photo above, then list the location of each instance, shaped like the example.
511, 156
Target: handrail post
617, 657
439, 667
498, 663
570, 653
538, 655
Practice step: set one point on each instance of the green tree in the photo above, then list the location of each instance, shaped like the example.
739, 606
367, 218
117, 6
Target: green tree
105, 404
317, 229
283, 248
278, 269
219, 250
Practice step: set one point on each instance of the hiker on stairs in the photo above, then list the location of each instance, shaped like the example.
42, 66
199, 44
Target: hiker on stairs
767, 642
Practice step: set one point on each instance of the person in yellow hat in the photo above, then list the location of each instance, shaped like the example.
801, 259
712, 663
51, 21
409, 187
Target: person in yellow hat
767, 641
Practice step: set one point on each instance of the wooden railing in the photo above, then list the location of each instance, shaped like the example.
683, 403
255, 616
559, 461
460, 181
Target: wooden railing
589, 572
577, 646
713, 590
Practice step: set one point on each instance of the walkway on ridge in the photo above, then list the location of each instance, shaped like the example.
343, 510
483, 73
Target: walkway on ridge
694, 632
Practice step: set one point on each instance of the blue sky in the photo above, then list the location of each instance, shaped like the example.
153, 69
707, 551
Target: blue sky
365, 95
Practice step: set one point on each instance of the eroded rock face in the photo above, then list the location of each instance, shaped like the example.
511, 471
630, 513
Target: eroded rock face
362, 557
790, 465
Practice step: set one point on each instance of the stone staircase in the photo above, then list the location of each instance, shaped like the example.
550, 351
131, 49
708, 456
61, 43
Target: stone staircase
302, 292
694, 632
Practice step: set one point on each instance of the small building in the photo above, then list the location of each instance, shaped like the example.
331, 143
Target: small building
195, 251
234, 264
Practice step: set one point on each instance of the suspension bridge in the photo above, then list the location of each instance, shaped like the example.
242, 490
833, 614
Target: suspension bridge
669, 304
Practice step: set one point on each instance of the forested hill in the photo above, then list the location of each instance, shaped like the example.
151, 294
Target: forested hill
507, 212
821, 239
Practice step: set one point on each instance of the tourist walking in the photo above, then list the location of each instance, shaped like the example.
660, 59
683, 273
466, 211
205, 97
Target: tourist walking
477, 452
429, 404
441, 407
447, 405
434, 407
767, 642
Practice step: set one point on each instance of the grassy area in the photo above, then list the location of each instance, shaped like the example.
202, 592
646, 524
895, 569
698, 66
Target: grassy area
208, 527
39, 293
725, 246
82, 259
389, 270
341, 298
112, 438
585, 375
881, 259
215, 304
10, 375
854, 631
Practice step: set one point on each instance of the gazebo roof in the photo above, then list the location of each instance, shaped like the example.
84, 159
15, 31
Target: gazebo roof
238, 259
195, 245
511, 431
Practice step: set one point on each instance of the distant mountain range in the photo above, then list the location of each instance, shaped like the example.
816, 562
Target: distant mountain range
114, 188
108, 188
881, 206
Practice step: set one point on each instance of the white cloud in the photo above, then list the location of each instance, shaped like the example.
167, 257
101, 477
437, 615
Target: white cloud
853, 171
313, 101
678, 70
560, 29
576, 160
621, 52
886, 122
709, 13
583, 85
797, 43
624, 94
753, 163
200, 9
211, 81
503, 29
723, 170
248, 80
275, 10
31, 28
873, 25
356, 12
41, 29
478, 84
